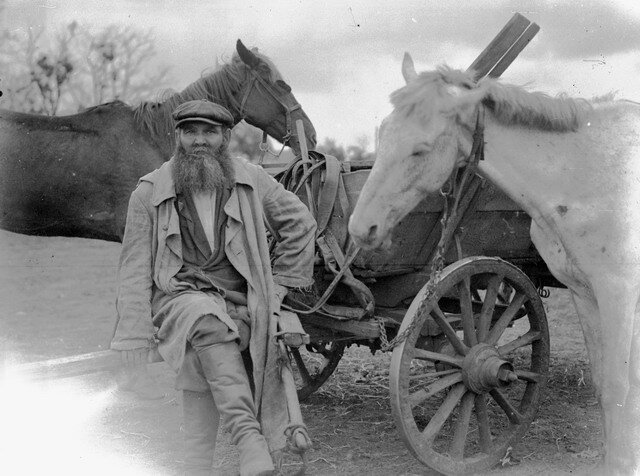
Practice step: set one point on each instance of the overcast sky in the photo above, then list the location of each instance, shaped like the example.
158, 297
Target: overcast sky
342, 58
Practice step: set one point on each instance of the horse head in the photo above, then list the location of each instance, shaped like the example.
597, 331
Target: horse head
249, 86
265, 96
427, 135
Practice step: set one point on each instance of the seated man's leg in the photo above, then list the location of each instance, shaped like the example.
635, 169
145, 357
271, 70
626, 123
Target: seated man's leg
200, 417
224, 370
200, 422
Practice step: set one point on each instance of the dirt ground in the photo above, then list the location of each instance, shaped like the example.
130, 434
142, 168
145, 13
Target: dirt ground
57, 299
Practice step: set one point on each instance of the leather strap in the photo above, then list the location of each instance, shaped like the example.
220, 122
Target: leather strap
328, 193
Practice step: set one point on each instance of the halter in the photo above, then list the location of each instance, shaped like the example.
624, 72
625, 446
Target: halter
255, 77
477, 148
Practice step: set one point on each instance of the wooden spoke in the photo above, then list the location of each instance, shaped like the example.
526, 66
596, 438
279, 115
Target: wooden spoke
506, 318
488, 307
429, 390
449, 332
522, 341
456, 450
512, 413
302, 368
484, 427
432, 407
530, 376
468, 324
444, 411
433, 375
314, 364
422, 354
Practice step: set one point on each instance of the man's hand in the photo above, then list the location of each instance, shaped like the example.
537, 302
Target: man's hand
135, 376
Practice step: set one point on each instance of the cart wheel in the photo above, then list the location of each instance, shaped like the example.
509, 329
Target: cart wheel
313, 364
461, 406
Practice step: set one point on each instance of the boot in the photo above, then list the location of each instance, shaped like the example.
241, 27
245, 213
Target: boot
200, 426
224, 370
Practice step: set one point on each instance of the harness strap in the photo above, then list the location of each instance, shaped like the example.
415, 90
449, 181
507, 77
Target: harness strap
255, 77
328, 193
246, 95
333, 255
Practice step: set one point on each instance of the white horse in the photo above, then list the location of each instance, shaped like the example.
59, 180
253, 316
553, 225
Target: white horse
574, 167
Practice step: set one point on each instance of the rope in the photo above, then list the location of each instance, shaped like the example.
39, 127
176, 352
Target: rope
353, 253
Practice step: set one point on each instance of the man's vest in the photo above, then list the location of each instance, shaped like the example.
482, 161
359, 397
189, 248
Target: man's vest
201, 267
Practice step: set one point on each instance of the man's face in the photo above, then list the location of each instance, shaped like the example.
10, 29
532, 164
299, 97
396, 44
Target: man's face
201, 159
201, 136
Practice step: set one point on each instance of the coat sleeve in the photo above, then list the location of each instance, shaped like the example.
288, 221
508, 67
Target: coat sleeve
134, 328
292, 258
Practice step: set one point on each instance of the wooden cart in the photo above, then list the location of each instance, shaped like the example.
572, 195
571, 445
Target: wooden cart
471, 346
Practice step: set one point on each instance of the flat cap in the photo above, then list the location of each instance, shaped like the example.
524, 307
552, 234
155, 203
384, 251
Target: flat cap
201, 110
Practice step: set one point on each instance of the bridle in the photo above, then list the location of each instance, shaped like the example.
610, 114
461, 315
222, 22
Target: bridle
255, 78
477, 147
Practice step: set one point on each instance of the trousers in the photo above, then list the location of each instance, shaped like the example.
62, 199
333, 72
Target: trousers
209, 330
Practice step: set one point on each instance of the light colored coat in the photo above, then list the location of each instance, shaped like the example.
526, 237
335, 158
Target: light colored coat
152, 255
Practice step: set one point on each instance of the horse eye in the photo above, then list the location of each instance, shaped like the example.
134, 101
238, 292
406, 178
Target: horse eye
283, 85
420, 152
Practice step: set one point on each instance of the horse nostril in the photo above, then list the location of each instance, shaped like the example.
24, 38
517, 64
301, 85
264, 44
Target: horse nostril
373, 230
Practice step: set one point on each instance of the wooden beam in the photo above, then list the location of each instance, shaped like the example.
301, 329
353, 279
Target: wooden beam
500, 45
364, 329
74, 365
515, 50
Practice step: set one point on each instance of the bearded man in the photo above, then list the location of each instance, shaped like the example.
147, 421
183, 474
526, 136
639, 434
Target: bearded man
195, 276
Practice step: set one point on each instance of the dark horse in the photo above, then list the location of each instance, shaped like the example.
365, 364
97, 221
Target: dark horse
73, 175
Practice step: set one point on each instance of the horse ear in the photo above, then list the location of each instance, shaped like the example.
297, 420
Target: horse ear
247, 56
408, 69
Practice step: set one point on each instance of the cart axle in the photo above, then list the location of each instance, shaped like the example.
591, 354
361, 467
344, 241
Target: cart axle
484, 370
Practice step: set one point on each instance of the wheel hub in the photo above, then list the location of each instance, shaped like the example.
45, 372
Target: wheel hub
483, 369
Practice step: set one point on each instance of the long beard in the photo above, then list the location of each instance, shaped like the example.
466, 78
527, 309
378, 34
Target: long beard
202, 170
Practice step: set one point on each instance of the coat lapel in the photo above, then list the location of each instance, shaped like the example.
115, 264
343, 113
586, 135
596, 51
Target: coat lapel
234, 217
232, 207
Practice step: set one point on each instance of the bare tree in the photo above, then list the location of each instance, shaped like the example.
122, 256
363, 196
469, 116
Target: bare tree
50, 72
245, 142
331, 147
79, 68
18, 58
359, 152
115, 59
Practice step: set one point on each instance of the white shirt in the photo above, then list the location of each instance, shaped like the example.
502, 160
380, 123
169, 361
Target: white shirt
205, 203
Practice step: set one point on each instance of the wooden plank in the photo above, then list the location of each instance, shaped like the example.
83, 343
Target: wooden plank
500, 45
74, 365
515, 50
299, 438
366, 329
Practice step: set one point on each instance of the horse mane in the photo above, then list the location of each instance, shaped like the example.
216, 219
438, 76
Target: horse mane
219, 86
509, 104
